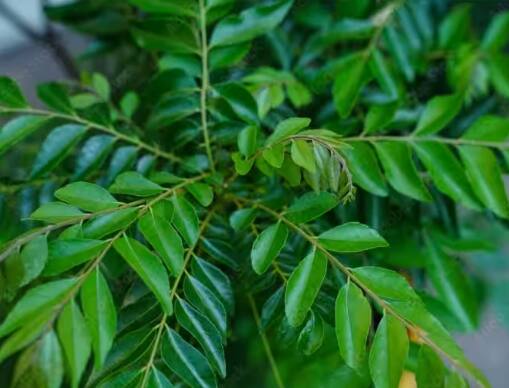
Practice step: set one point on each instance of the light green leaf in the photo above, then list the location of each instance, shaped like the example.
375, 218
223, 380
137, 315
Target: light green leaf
447, 172
185, 219
388, 352
133, 183
36, 301
148, 267
10, 94
452, 285
87, 196
364, 168
56, 147
75, 340
485, 176
158, 380
430, 371
100, 315
204, 332
53, 212
288, 128
167, 243
21, 269
275, 155
247, 140
439, 112
351, 237
379, 116
400, 170
202, 192
302, 155
311, 206
240, 219
242, 166
66, 254
353, 320
455, 27
106, 224
267, 247
18, 129
250, 23
351, 76
303, 286
101, 86
129, 104
186, 362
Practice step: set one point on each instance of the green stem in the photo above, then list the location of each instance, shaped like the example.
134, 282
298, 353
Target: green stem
109, 130
266, 345
205, 82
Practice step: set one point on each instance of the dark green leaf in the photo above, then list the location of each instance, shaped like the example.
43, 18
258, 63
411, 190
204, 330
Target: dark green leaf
18, 129
430, 369
55, 96
202, 192
10, 94
92, 155
312, 335
106, 224
87, 196
66, 254
185, 219
351, 76
311, 206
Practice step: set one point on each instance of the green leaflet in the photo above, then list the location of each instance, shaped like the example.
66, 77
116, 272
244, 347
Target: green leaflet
485, 176
56, 147
55, 96
158, 380
122, 159
187, 362
430, 369
240, 100
311, 206
400, 170
303, 286
101, 86
10, 94
133, 183
302, 155
247, 140
452, 285
87, 196
364, 167
21, 269
439, 112
274, 155
202, 192
92, 155
351, 77
312, 335
185, 219
129, 104
240, 219
66, 254
204, 332
41, 364
167, 243
287, 128
216, 280
379, 116
388, 352
351, 237
148, 267
206, 302
400, 52
75, 340
108, 223
353, 320
249, 24
53, 212
454, 27
447, 172
36, 301
18, 129
100, 315
497, 33
267, 246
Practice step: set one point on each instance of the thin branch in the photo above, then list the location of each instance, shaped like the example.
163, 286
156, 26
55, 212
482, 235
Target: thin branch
109, 130
266, 344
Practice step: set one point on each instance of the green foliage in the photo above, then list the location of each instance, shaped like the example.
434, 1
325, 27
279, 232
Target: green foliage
301, 181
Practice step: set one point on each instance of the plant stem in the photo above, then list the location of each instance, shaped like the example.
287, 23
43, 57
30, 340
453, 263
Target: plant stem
109, 130
266, 345
205, 83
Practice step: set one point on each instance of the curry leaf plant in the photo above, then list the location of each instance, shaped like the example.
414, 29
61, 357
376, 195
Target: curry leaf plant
254, 194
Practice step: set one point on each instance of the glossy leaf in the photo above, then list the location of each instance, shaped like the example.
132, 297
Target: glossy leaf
202, 192
185, 219
18, 129
351, 237
133, 183
11, 95
66, 254
87, 196
108, 223
267, 247
310, 206
438, 113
